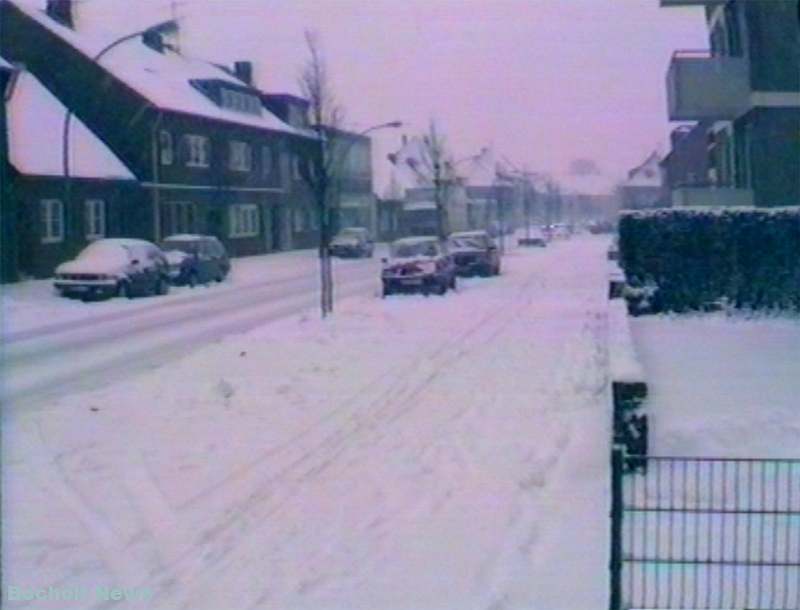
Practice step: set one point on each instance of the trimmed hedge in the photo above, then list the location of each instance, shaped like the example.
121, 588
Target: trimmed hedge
684, 259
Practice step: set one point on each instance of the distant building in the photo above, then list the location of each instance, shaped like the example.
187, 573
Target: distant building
643, 189
745, 94
685, 168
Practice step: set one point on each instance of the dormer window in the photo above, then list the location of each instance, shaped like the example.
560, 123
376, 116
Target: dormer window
240, 101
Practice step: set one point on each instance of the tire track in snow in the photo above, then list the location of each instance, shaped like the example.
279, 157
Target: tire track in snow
387, 406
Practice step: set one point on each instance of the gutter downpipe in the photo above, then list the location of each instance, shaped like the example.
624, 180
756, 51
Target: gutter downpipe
156, 158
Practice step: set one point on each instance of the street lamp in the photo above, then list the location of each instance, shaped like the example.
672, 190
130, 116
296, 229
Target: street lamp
164, 27
322, 187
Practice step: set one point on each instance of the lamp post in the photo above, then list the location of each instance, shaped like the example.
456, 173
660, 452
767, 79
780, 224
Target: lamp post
160, 28
329, 171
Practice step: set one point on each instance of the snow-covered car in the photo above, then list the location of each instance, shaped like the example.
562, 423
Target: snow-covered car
114, 267
534, 237
474, 253
195, 259
352, 242
418, 264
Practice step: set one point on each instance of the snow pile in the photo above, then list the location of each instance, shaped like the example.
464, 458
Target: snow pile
35, 115
410, 452
623, 363
722, 386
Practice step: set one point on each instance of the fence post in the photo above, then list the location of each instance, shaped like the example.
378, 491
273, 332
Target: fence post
615, 559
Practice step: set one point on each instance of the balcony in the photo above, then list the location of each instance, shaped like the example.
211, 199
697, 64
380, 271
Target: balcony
716, 196
701, 87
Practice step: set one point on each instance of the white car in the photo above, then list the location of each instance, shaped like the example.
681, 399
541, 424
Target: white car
114, 267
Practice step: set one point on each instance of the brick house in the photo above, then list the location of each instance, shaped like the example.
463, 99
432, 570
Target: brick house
206, 151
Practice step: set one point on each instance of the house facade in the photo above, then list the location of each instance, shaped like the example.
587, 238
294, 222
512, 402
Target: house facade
643, 187
744, 93
207, 151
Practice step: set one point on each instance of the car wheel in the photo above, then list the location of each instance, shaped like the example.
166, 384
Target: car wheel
124, 290
441, 288
192, 281
497, 270
162, 287
453, 283
387, 290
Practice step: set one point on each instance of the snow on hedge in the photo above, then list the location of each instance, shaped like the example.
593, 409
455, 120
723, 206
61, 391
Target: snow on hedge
623, 362
35, 124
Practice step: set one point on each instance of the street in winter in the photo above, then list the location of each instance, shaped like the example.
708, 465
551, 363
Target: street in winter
366, 305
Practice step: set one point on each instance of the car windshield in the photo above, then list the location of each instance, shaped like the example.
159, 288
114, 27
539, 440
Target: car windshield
106, 253
477, 242
410, 250
182, 245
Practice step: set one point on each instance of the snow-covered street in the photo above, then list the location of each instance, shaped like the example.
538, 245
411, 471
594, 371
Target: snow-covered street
410, 452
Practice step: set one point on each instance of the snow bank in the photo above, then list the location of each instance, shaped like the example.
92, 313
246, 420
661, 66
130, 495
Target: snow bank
722, 386
624, 365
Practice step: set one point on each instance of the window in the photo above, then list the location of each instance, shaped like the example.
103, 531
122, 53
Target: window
243, 220
240, 101
296, 163
95, 218
165, 147
178, 217
198, 150
240, 156
299, 218
52, 221
266, 161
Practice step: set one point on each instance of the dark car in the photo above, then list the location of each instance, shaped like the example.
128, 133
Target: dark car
418, 264
353, 242
474, 253
111, 267
195, 259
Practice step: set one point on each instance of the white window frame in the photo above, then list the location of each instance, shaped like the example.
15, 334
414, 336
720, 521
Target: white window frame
198, 149
240, 156
166, 148
244, 220
95, 218
46, 209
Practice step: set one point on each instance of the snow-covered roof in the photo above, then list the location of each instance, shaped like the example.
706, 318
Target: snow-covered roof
4, 64
646, 174
480, 233
35, 123
188, 237
162, 78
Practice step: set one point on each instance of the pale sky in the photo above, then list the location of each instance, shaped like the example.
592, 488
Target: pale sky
541, 81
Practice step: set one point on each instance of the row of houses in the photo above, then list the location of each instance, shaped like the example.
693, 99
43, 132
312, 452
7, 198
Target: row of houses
130, 137
476, 193
738, 104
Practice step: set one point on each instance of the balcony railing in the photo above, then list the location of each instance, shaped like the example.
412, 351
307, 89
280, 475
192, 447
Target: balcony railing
717, 196
701, 86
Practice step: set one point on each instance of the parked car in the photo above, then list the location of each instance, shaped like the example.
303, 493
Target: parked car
352, 242
474, 253
195, 259
535, 237
112, 267
418, 264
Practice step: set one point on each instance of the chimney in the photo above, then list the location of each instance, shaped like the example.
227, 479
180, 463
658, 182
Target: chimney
244, 71
61, 11
153, 40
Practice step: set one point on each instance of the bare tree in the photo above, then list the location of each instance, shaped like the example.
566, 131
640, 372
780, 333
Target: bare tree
326, 117
434, 167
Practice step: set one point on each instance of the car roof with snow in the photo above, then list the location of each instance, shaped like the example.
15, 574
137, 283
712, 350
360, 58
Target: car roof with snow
168, 80
188, 237
470, 234
408, 241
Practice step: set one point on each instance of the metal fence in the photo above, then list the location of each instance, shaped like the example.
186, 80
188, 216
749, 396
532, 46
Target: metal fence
705, 533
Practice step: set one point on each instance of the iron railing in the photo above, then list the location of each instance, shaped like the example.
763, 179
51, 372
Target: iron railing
691, 533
